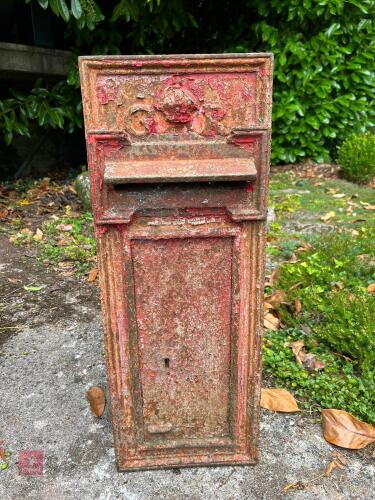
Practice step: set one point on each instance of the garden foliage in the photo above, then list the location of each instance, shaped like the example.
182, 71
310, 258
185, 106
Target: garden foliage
324, 60
357, 158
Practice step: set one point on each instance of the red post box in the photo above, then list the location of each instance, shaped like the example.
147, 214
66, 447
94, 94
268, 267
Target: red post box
178, 151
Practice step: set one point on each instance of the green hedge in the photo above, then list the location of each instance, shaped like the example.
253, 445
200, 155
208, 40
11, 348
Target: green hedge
324, 85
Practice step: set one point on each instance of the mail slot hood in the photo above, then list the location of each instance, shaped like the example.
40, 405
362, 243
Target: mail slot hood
152, 171
167, 163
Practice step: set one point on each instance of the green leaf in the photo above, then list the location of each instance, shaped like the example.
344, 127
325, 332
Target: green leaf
63, 10
34, 288
76, 9
43, 4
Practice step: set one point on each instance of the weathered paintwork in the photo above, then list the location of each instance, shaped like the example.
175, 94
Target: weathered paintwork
178, 150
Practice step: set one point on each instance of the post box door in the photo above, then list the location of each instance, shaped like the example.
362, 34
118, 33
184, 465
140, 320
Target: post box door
183, 299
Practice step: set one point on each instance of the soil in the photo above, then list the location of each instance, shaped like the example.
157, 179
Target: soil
21, 308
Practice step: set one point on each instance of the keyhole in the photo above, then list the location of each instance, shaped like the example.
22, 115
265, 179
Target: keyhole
166, 362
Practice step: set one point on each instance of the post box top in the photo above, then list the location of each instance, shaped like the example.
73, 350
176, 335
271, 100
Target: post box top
162, 57
189, 96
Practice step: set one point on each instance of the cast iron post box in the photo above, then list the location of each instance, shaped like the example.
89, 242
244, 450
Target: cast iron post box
178, 151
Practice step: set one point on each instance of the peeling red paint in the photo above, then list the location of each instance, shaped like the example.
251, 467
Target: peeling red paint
181, 261
102, 229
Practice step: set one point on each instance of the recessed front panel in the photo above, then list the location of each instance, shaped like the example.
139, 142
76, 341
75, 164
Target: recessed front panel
183, 296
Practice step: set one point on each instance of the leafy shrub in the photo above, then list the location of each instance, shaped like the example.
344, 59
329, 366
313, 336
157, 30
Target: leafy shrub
357, 158
331, 282
337, 386
323, 83
323, 86
347, 326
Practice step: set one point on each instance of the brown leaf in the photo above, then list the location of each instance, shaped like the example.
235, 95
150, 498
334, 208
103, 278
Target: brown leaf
96, 397
318, 364
277, 298
3, 212
342, 429
328, 216
64, 227
38, 236
367, 206
297, 306
298, 348
330, 467
312, 363
293, 259
371, 288
271, 322
61, 242
296, 285
3, 455
340, 458
276, 399
303, 246
274, 276
298, 486
93, 274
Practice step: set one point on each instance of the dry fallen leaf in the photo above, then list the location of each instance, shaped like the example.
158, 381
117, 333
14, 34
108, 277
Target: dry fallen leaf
271, 322
367, 206
38, 236
64, 227
276, 399
298, 348
93, 274
342, 429
296, 285
3, 212
295, 486
340, 458
330, 467
303, 246
371, 288
328, 216
96, 397
293, 259
3, 455
274, 276
339, 195
312, 363
277, 298
61, 243
297, 306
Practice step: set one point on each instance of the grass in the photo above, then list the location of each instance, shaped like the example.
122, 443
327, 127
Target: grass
327, 273
69, 239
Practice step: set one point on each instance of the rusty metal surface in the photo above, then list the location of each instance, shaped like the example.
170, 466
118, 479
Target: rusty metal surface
182, 170
178, 150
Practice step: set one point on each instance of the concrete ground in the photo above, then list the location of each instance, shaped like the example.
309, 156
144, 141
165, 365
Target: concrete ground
52, 352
